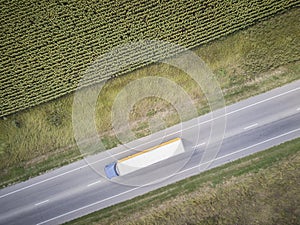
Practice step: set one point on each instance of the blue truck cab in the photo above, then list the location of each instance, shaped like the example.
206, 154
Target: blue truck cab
111, 170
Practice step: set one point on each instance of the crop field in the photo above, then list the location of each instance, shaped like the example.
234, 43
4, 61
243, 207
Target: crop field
246, 63
46, 46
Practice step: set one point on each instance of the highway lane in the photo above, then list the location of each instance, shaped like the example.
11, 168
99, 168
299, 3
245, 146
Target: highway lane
77, 189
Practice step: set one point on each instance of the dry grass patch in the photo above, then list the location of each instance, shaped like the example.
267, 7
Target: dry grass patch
238, 63
259, 189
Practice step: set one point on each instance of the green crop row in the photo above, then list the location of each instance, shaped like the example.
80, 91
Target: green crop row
47, 46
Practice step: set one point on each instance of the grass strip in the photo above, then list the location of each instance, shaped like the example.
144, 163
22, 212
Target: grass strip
245, 64
261, 188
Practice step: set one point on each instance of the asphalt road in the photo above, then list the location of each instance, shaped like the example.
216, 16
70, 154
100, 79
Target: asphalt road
77, 189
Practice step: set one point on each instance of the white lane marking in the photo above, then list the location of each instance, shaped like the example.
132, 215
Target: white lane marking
248, 127
43, 202
243, 149
210, 120
196, 146
97, 182
194, 167
84, 207
265, 100
234, 111
298, 109
207, 121
43, 181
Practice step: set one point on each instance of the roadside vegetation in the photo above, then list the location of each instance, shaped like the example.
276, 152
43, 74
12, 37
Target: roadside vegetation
245, 63
259, 189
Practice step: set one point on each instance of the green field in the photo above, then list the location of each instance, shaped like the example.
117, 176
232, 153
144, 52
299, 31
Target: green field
251, 46
46, 46
259, 189
245, 63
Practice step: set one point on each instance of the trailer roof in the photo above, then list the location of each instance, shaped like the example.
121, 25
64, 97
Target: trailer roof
149, 149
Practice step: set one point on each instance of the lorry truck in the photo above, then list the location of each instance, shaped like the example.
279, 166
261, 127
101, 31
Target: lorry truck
144, 158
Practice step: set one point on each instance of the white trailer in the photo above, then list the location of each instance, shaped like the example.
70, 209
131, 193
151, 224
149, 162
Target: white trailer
144, 158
